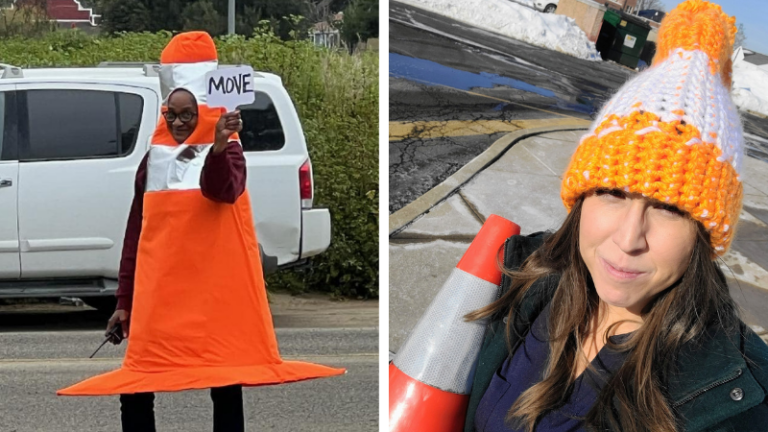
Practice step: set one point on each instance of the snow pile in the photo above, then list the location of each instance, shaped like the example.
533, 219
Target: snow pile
528, 3
750, 86
555, 32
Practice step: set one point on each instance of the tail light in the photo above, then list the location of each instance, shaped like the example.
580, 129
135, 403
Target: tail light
305, 184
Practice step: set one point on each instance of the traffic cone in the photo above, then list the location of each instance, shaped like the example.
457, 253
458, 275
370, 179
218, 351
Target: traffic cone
431, 376
200, 313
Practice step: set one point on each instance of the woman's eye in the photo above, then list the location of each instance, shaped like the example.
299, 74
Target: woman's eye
672, 210
615, 193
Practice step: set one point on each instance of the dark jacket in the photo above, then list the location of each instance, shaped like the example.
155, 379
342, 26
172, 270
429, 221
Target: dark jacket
721, 384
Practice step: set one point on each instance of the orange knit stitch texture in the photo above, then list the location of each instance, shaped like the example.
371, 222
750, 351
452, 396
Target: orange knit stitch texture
659, 165
699, 25
189, 47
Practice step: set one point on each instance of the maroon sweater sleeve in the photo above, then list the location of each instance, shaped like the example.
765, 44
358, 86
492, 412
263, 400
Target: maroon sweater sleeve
131, 240
222, 180
223, 176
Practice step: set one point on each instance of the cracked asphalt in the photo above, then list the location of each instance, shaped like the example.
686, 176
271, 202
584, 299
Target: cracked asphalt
445, 72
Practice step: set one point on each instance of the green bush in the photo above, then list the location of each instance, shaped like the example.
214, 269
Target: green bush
336, 96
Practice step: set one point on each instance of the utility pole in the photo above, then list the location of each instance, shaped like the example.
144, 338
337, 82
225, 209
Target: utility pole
231, 18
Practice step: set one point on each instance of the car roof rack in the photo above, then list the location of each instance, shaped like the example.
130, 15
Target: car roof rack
150, 69
10, 71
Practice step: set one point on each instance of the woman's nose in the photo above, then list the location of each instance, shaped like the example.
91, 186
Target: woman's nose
631, 229
177, 122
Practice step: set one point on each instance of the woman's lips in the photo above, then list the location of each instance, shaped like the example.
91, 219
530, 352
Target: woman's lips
619, 272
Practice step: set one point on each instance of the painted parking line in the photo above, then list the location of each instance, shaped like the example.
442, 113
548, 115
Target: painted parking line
399, 131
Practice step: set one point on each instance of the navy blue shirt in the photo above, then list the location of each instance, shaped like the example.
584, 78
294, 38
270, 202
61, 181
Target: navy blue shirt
526, 367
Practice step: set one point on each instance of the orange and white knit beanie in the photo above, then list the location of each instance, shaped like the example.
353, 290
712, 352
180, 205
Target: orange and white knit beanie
673, 133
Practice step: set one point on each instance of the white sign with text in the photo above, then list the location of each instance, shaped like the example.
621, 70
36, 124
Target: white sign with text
230, 87
629, 41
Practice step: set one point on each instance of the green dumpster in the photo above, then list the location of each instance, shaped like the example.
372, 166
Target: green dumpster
622, 38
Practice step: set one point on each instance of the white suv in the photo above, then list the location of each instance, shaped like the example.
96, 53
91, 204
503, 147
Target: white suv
70, 143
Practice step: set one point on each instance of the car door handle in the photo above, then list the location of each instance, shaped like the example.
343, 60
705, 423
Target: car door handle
6, 182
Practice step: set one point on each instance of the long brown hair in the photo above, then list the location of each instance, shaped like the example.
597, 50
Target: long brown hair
633, 399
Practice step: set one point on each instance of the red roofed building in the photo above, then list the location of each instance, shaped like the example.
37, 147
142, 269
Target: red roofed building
71, 11
67, 13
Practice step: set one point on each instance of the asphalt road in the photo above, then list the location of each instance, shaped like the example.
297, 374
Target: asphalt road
443, 71
35, 363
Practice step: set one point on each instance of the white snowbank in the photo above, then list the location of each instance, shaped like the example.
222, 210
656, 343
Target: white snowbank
555, 32
528, 3
750, 86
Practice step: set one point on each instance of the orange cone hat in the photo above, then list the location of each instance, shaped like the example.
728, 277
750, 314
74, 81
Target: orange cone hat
200, 316
431, 376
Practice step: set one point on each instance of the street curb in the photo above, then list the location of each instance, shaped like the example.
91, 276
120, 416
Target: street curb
401, 218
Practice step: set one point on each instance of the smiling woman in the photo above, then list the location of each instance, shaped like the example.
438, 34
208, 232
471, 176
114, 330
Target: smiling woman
622, 320
633, 247
181, 114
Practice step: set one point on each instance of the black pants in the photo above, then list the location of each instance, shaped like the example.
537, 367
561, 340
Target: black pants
137, 410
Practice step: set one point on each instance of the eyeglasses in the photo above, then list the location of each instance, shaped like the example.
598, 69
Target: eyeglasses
185, 117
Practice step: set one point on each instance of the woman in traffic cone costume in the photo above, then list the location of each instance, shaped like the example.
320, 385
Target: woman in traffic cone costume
199, 316
621, 320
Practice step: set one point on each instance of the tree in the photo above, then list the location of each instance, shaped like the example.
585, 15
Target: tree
201, 15
251, 12
323, 10
650, 4
143, 15
167, 14
210, 15
125, 16
28, 18
741, 36
361, 22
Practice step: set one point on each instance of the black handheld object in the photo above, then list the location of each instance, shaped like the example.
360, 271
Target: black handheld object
115, 336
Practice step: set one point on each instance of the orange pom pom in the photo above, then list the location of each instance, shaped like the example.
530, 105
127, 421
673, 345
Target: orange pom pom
699, 25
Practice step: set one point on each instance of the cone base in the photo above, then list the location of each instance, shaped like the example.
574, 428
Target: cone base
125, 381
415, 406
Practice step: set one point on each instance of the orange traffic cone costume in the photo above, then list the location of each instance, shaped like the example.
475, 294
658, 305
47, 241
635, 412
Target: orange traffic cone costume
200, 317
431, 377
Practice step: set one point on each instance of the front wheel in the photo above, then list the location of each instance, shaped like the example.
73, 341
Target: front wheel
550, 8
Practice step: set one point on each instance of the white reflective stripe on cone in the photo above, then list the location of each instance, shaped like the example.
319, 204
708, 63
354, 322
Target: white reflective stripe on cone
190, 76
175, 168
442, 349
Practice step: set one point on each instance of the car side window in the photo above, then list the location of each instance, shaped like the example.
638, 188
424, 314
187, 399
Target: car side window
8, 126
78, 124
130, 107
2, 123
262, 129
